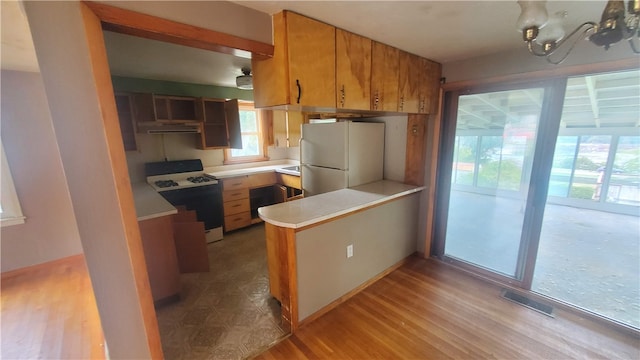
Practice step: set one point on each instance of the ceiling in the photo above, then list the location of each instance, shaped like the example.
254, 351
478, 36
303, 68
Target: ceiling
443, 31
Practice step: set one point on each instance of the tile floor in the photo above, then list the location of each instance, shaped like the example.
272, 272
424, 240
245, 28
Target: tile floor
228, 312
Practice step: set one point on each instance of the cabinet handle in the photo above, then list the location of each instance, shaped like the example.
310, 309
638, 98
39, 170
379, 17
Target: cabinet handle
375, 102
299, 91
401, 103
236, 205
237, 219
342, 96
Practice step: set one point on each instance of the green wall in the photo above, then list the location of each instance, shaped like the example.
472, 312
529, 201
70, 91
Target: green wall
127, 84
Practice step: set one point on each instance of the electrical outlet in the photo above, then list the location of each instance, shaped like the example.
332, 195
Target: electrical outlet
349, 251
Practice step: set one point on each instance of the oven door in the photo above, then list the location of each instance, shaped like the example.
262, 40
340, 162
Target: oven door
205, 200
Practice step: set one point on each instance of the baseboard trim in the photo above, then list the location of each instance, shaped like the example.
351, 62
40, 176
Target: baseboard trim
353, 292
71, 260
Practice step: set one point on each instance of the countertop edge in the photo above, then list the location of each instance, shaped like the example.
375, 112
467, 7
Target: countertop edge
338, 213
149, 203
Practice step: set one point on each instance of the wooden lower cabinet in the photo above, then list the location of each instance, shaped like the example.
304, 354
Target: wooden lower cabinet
242, 195
172, 244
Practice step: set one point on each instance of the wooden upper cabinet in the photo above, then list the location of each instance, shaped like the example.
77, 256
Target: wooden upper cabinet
302, 70
430, 87
353, 71
411, 75
384, 77
221, 124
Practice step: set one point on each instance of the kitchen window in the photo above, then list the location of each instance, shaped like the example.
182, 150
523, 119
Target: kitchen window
10, 210
251, 130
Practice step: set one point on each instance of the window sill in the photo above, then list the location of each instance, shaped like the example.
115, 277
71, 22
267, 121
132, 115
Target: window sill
9, 221
245, 160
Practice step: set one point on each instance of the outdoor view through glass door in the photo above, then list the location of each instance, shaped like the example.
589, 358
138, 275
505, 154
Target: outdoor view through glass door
547, 197
492, 158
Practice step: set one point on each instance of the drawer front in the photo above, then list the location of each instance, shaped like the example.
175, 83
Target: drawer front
237, 221
262, 179
236, 207
232, 195
290, 181
235, 183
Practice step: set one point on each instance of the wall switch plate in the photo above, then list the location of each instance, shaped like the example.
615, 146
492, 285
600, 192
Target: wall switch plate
349, 251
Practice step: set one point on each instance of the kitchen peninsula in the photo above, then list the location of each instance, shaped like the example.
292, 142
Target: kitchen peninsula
325, 248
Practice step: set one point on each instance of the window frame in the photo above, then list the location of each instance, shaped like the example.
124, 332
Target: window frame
262, 138
11, 213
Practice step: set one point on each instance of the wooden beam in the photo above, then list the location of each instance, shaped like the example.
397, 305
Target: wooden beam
111, 124
155, 28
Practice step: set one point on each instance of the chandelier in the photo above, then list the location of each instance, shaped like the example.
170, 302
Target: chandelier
545, 35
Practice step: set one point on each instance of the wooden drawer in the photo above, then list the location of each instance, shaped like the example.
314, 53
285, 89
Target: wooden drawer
237, 221
236, 207
262, 179
240, 182
290, 181
232, 195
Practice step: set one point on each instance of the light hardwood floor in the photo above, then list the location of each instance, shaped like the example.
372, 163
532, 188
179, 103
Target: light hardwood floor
424, 310
428, 310
49, 312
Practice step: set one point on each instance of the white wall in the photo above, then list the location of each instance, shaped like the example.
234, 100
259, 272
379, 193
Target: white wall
520, 61
50, 231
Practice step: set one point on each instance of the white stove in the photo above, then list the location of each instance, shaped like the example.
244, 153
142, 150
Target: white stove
180, 180
184, 183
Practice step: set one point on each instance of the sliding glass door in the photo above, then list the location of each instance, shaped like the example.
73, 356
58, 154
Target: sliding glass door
495, 136
540, 188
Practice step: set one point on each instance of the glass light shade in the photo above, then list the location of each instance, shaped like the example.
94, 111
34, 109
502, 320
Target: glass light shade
534, 14
553, 30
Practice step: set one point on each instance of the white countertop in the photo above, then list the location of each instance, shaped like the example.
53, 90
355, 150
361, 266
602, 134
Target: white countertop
149, 203
221, 173
307, 211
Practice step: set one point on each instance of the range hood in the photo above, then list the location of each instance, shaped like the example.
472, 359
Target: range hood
157, 128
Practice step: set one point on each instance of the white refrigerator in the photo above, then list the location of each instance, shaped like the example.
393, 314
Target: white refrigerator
339, 155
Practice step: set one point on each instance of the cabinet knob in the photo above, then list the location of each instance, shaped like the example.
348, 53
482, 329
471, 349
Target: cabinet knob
376, 101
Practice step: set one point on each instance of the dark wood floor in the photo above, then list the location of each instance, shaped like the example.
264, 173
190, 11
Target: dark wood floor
428, 310
49, 312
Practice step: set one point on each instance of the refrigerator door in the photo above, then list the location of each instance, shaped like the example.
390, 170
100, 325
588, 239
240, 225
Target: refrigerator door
325, 145
317, 180
366, 152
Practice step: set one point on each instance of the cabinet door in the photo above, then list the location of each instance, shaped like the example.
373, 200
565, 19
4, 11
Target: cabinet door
312, 61
214, 130
143, 108
125, 117
430, 87
409, 83
232, 116
353, 71
384, 77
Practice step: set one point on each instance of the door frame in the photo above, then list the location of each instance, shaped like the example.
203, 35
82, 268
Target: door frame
98, 17
546, 135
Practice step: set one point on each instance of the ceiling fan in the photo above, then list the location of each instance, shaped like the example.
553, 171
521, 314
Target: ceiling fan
245, 81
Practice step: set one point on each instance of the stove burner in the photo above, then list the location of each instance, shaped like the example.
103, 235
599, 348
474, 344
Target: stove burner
165, 183
199, 179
